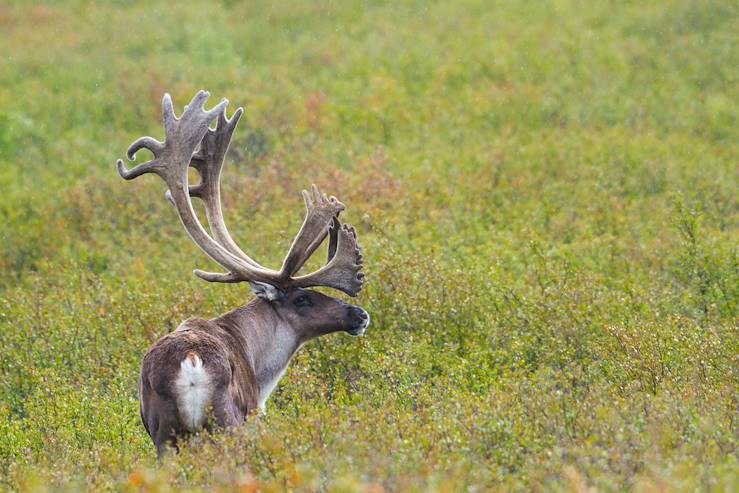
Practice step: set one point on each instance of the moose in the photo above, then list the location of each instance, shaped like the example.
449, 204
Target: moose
214, 373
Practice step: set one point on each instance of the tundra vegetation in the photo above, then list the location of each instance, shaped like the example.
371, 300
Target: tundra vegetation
546, 194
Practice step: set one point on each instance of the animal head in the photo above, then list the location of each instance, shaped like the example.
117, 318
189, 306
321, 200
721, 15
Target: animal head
312, 313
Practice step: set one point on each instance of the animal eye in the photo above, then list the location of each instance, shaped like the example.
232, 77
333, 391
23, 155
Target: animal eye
302, 300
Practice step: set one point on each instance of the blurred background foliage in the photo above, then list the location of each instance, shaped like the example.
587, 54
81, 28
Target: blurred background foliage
546, 194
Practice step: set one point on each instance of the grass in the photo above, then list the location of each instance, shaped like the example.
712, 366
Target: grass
546, 194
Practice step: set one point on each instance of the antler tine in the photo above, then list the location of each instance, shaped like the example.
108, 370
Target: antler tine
228, 277
130, 174
333, 239
150, 143
168, 116
320, 213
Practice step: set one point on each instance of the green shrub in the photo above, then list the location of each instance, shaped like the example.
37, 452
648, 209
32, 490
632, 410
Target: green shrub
546, 194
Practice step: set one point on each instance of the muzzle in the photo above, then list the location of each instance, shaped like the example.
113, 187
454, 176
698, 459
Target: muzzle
359, 319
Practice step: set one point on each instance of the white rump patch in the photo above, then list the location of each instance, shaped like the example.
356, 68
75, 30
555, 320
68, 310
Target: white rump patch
192, 388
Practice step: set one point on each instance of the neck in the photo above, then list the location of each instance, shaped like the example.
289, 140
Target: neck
269, 343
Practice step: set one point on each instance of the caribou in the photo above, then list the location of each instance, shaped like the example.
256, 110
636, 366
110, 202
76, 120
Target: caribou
215, 373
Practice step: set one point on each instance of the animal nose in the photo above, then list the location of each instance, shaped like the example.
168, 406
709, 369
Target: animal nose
360, 320
359, 315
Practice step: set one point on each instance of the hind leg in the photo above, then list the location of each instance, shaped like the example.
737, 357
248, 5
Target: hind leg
225, 412
166, 437
160, 418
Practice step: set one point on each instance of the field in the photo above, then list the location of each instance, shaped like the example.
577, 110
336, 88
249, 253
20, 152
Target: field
546, 194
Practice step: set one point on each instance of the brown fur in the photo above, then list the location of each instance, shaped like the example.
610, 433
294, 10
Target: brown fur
232, 378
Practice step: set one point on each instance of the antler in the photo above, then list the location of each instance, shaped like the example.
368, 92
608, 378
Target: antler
208, 160
180, 150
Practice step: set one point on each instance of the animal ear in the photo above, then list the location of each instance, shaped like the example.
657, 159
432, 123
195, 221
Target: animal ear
266, 291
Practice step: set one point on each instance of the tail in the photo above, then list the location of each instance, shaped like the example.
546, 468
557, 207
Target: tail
193, 391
